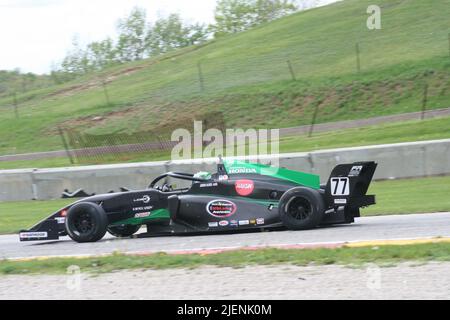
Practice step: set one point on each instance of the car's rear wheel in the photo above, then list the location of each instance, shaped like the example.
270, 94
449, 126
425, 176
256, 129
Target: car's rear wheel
301, 208
86, 222
123, 231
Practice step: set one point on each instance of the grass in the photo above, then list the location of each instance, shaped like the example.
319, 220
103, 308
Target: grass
247, 78
15, 216
40, 163
406, 131
393, 197
343, 256
414, 130
410, 196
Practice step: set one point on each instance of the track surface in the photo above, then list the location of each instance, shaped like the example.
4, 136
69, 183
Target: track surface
368, 228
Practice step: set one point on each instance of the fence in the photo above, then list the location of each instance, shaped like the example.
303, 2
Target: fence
85, 148
180, 81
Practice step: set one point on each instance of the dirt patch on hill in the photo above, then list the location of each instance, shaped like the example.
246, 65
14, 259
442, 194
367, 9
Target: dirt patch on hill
93, 83
69, 91
101, 119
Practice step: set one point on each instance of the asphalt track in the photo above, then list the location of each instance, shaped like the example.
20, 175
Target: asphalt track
397, 227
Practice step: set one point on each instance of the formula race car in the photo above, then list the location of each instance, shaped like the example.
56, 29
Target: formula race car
240, 196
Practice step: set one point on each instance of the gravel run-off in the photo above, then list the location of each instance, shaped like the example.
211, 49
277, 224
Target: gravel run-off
410, 280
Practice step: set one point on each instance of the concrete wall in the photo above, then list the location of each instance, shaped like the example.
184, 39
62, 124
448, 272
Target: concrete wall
16, 185
404, 160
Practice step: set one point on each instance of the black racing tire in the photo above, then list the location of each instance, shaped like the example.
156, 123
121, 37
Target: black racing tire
124, 231
301, 208
86, 222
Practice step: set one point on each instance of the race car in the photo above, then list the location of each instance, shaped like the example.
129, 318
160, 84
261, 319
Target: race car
239, 196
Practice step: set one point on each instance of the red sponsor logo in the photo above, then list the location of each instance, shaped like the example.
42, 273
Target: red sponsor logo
244, 187
221, 208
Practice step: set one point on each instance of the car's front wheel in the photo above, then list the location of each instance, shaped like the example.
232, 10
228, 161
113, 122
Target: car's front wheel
86, 222
123, 231
301, 208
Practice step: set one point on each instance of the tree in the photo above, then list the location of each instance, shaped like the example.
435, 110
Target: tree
172, 33
101, 54
232, 16
197, 33
137, 39
76, 62
269, 10
238, 15
132, 36
28, 79
167, 34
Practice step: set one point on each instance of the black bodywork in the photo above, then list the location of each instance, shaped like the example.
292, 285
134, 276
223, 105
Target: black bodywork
223, 201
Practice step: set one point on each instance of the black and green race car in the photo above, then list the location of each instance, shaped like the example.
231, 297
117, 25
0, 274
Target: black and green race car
240, 196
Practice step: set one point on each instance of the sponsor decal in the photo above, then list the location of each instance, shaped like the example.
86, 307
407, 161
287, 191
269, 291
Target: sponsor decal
61, 220
355, 171
143, 208
224, 223
208, 185
144, 199
252, 221
234, 223
223, 177
221, 208
30, 235
241, 170
244, 187
260, 221
244, 222
213, 224
142, 215
340, 201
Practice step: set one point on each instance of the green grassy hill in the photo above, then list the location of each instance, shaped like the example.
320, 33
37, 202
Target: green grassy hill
246, 76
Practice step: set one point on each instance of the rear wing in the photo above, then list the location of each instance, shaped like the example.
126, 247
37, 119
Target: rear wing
348, 185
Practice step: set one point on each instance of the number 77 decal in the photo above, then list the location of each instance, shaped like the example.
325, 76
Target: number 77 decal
340, 186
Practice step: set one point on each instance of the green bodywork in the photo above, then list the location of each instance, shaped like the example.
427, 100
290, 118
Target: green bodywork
301, 178
304, 179
155, 215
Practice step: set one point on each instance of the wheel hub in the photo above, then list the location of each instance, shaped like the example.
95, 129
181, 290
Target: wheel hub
83, 224
299, 208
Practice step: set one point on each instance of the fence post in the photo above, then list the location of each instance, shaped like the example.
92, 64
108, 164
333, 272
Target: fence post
449, 44
105, 91
16, 110
66, 146
358, 58
424, 101
313, 122
24, 85
200, 76
291, 70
